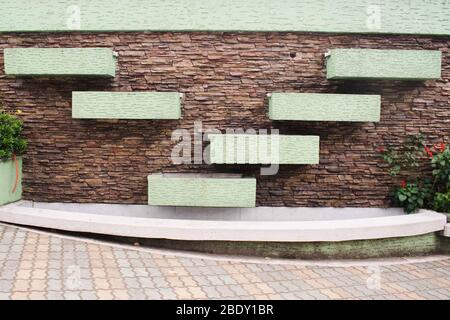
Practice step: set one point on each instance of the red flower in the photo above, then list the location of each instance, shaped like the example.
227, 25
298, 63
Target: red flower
381, 150
429, 152
403, 184
440, 147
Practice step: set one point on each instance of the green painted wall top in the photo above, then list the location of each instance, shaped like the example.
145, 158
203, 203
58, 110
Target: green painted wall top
335, 16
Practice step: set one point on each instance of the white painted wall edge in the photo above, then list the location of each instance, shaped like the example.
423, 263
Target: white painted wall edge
233, 214
200, 230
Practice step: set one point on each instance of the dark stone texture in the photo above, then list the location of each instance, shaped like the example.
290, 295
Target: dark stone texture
225, 79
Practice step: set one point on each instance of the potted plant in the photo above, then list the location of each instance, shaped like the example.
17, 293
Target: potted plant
12, 146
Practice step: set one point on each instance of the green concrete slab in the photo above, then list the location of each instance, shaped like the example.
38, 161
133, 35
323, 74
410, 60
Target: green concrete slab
201, 192
263, 149
7, 180
47, 62
126, 105
335, 16
371, 64
324, 107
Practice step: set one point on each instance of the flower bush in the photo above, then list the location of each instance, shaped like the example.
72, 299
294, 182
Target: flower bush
11, 141
426, 171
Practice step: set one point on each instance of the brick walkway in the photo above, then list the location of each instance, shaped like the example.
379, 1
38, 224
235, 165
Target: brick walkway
36, 265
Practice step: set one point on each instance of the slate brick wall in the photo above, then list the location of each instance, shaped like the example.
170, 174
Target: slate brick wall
225, 79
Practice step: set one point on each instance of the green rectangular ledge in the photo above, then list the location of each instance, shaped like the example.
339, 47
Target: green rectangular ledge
126, 105
331, 16
324, 107
7, 180
263, 149
201, 192
48, 62
369, 64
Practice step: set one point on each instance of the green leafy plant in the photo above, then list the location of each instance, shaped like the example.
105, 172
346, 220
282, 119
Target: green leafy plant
442, 202
423, 187
408, 157
441, 168
413, 195
11, 141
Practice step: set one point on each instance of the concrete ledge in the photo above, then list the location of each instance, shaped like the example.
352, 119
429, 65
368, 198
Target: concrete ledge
126, 105
51, 62
446, 232
201, 230
375, 64
263, 149
191, 191
324, 107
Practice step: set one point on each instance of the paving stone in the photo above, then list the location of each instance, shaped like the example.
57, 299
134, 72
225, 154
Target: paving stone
215, 280
30, 269
211, 292
167, 294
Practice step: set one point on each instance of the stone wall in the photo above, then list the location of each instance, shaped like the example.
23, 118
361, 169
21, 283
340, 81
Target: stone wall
225, 79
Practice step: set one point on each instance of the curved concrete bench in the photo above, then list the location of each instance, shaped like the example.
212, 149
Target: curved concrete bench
194, 230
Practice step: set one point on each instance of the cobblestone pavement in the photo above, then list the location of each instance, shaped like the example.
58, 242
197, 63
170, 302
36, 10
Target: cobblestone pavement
36, 265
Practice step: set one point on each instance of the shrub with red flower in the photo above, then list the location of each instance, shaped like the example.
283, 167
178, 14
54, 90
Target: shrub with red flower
429, 152
440, 147
427, 188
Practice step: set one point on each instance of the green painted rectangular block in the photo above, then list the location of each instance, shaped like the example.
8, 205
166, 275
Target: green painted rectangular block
126, 105
7, 180
384, 64
201, 192
263, 149
43, 62
324, 107
335, 16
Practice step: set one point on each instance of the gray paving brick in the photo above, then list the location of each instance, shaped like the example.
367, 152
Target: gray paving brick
215, 280
132, 283
167, 294
55, 295
72, 295
153, 294
160, 282
202, 280
238, 290
211, 292
88, 295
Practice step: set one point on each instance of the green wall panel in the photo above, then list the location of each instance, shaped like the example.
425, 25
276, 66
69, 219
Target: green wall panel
384, 64
7, 180
414, 246
324, 107
337, 16
263, 149
126, 105
201, 192
60, 62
